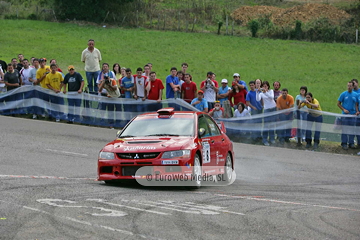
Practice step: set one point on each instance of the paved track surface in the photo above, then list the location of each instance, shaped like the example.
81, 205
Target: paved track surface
48, 191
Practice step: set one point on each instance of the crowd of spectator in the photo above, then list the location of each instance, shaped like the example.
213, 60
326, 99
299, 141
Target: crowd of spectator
232, 98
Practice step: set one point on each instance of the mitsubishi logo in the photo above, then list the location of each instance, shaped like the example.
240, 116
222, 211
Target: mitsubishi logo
136, 156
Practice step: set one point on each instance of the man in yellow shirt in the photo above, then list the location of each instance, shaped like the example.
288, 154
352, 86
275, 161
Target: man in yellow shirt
53, 82
41, 73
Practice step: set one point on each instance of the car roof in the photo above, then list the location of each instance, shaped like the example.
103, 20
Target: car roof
176, 114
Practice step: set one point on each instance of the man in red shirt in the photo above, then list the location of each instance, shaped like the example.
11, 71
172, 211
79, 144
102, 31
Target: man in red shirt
188, 89
154, 89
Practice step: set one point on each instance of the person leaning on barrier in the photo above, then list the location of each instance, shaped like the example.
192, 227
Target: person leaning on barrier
285, 101
74, 82
312, 104
348, 103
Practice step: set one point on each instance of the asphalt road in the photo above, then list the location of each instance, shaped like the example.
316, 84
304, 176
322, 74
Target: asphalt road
48, 191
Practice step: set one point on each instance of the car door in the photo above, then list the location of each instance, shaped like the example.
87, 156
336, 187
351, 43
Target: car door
216, 143
209, 142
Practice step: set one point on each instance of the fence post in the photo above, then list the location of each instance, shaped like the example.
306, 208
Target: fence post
357, 36
137, 18
192, 30
164, 21
227, 24
158, 23
232, 28
179, 22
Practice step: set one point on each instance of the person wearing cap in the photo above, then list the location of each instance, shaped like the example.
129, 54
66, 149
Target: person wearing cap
223, 93
210, 87
91, 56
217, 111
200, 102
41, 72
240, 83
74, 83
54, 81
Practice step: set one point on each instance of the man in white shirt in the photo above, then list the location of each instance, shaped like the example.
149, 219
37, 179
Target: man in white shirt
91, 56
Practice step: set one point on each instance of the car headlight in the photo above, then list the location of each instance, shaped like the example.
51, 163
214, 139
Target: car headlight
106, 155
176, 154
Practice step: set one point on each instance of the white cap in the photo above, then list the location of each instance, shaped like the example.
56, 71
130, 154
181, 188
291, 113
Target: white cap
224, 81
236, 75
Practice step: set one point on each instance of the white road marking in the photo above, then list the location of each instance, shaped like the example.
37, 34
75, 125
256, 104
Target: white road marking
129, 207
65, 152
287, 202
45, 177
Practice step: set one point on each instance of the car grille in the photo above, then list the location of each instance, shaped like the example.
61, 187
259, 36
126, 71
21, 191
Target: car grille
131, 170
150, 155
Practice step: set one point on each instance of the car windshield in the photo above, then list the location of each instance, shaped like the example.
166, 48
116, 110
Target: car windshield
160, 127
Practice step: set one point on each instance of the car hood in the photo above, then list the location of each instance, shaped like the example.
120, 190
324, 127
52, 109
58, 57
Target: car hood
132, 145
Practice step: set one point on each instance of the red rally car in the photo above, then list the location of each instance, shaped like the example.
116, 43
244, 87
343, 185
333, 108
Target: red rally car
168, 142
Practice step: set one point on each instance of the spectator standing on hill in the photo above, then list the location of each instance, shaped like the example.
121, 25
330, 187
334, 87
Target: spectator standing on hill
74, 83
277, 91
2, 83
91, 56
301, 116
128, 84
140, 93
20, 63
256, 108
224, 91
357, 90
41, 73
237, 95
53, 61
25, 73
241, 111
147, 71
32, 77
17, 66
154, 88
285, 101
200, 102
53, 82
180, 76
267, 96
210, 87
117, 70
240, 83
184, 67
12, 78
188, 89
348, 103
172, 84
312, 117
217, 111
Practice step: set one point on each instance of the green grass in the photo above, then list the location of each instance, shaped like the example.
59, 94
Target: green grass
325, 68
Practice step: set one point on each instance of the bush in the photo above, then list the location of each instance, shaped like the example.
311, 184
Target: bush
253, 26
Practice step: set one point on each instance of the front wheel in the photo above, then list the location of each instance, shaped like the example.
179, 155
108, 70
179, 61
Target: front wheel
196, 176
228, 169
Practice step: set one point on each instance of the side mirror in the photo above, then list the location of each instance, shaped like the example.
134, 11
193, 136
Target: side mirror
222, 126
202, 132
118, 133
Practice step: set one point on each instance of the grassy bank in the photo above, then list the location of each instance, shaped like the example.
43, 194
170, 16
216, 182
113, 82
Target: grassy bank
325, 68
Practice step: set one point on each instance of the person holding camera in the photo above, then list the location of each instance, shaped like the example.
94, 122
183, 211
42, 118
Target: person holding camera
313, 116
210, 87
108, 87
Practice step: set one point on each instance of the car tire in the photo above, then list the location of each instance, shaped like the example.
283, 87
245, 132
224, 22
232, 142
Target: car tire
196, 175
227, 176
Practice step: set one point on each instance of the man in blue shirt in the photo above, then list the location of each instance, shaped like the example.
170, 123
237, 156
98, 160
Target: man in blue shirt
239, 82
172, 84
256, 108
127, 84
223, 93
348, 103
200, 102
